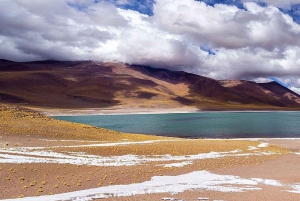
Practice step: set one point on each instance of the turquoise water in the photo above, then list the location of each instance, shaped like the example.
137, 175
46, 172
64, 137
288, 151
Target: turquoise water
201, 125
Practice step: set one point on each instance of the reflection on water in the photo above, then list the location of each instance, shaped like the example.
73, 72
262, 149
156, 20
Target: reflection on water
201, 125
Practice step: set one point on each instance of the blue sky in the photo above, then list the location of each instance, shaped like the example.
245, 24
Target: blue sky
142, 6
294, 12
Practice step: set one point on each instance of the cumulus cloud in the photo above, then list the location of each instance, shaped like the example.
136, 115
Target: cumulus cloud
225, 26
254, 43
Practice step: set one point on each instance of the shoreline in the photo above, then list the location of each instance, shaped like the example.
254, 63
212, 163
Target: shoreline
114, 111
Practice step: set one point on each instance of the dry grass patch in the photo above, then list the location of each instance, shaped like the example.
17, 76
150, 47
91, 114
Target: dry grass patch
20, 121
175, 148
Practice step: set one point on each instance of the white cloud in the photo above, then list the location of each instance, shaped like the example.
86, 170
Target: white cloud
259, 42
262, 80
225, 26
295, 89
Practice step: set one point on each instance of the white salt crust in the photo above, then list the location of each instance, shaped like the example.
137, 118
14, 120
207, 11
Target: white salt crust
198, 180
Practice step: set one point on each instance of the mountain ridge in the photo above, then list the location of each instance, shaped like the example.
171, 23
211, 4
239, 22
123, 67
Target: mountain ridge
89, 84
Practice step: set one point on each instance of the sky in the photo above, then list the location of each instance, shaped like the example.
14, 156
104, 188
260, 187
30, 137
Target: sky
256, 40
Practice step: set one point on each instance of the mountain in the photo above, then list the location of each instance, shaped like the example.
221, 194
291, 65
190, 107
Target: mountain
88, 84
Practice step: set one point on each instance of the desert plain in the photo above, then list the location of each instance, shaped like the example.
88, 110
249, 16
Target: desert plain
46, 159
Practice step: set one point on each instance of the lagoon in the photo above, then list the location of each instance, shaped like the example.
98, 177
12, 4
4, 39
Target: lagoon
200, 125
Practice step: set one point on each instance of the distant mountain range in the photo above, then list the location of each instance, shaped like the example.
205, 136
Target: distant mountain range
87, 84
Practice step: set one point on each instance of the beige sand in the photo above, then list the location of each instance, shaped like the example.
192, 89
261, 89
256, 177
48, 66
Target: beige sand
20, 130
42, 179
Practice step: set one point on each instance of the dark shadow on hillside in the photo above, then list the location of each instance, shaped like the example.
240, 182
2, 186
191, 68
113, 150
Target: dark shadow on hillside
8, 98
248, 93
183, 101
146, 95
67, 84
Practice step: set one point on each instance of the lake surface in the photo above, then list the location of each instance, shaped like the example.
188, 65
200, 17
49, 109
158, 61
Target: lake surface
201, 125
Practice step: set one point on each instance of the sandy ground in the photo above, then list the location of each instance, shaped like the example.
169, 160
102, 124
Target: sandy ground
46, 159
242, 160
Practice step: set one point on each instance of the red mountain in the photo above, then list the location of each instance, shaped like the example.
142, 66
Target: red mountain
87, 84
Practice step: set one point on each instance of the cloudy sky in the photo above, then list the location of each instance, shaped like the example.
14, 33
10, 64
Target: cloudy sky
223, 39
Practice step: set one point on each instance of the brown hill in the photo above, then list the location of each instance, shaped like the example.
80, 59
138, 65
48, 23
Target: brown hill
87, 84
281, 91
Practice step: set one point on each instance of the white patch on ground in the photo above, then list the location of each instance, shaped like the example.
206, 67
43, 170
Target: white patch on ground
269, 182
236, 151
199, 180
103, 144
296, 188
251, 148
263, 145
171, 199
117, 144
49, 140
28, 155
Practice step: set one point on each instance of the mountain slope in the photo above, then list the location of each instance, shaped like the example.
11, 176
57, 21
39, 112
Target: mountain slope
258, 94
87, 84
281, 91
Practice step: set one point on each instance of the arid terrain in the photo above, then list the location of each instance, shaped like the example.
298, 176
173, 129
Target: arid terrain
86, 85
46, 159
154, 100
